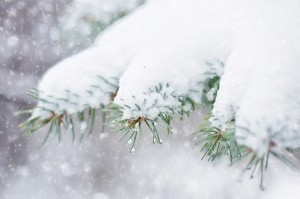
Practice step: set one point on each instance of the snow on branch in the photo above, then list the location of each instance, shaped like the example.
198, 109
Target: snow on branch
168, 56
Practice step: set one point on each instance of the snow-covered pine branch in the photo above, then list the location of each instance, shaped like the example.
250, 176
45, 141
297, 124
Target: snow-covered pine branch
260, 87
73, 82
171, 70
86, 80
166, 53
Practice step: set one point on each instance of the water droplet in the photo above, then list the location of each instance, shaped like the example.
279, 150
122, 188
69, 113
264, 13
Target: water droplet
129, 141
154, 140
132, 150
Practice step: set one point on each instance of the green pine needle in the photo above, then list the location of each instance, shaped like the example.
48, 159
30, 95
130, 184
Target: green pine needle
215, 142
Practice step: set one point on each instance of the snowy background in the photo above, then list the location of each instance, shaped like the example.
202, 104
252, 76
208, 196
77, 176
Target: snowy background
34, 35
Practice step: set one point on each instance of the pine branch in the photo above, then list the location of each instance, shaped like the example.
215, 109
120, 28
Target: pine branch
59, 122
215, 142
50, 113
132, 128
259, 161
170, 106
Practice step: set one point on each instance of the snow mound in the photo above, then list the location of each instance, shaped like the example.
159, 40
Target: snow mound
78, 82
260, 86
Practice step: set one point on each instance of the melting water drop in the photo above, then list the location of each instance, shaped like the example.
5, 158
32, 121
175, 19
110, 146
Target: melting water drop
132, 150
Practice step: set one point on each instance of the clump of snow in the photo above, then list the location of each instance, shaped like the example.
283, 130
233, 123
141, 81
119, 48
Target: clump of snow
76, 83
146, 90
260, 87
183, 57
